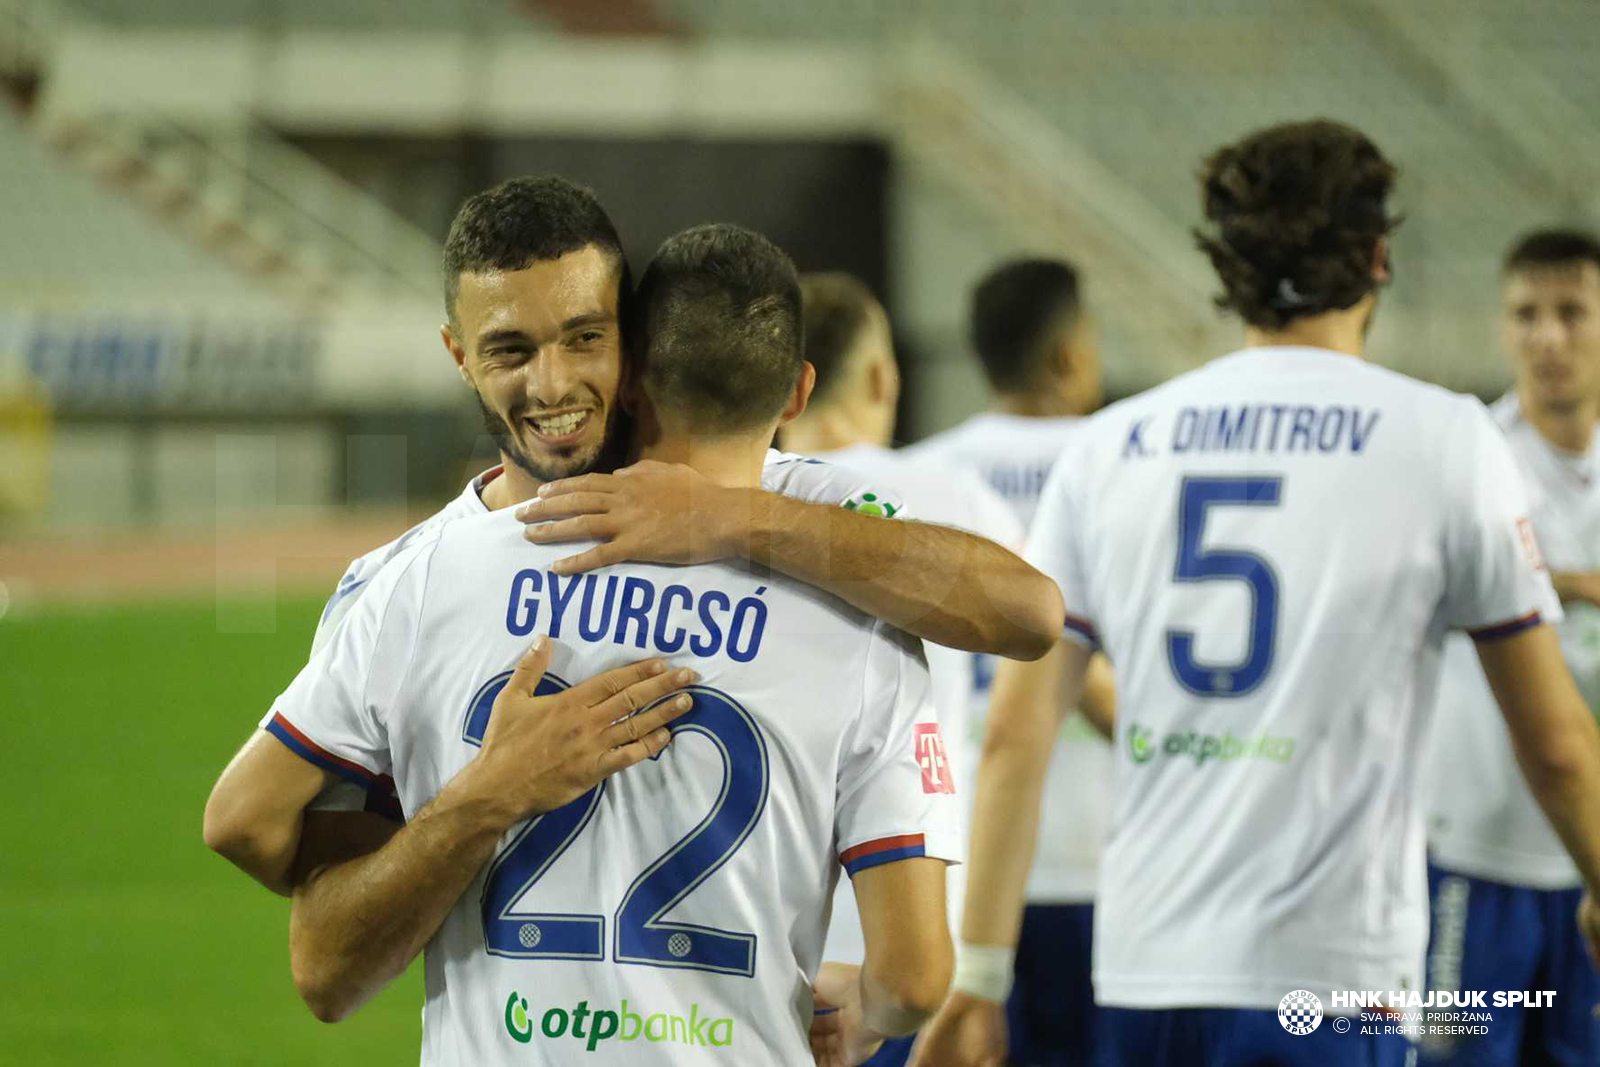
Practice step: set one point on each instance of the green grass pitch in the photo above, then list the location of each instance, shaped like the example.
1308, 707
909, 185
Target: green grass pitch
126, 940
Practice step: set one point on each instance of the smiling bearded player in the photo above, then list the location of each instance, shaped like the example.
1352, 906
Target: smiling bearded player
535, 276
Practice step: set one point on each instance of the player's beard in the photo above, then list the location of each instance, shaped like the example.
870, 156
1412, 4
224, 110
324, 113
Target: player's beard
605, 456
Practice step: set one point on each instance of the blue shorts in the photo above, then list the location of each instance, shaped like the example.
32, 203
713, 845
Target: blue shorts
1051, 1015
1235, 1037
895, 1052
1491, 936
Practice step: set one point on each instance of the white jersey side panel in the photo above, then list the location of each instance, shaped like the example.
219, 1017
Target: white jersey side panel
676, 914
1015, 454
1271, 550
1483, 820
961, 499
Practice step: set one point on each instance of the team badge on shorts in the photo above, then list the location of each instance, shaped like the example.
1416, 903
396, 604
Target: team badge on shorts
1300, 1012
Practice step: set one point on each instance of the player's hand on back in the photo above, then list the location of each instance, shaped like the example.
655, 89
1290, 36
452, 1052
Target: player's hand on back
968, 1032
839, 1034
649, 513
540, 752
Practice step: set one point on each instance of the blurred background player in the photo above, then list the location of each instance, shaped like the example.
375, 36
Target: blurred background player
763, 778
850, 421
1503, 889
1036, 342
1271, 549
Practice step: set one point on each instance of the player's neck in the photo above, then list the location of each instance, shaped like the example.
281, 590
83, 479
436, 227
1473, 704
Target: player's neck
1337, 331
513, 486
823, 431
732, 460
1044, 404
1569, 429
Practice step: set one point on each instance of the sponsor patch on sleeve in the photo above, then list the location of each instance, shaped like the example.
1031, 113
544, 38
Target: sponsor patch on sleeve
873, 502
932, 759
1530, 544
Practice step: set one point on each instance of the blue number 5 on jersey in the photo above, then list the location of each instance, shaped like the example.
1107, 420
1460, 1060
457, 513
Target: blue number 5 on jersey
1196, 564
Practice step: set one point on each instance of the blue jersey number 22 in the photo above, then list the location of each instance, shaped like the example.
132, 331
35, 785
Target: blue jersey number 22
1195, 564
643, 935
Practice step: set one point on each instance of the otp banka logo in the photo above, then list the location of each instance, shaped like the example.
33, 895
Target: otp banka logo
1139, 746
1300, 1012
592, 1026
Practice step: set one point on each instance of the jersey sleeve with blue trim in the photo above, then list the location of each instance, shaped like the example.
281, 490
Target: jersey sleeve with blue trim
1496, 583
1055, 547
335, 712
896, 793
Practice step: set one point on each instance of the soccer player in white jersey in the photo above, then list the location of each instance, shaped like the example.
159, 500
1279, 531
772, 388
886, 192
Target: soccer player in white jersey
675, 912
1037, 346
1271, 550
1036, 342
1502, 887
849, 421
535, 284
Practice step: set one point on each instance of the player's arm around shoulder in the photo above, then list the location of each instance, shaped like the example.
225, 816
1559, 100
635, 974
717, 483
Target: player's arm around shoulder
942, 584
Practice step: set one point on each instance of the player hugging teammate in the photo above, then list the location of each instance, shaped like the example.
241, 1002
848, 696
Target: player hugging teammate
1270, 549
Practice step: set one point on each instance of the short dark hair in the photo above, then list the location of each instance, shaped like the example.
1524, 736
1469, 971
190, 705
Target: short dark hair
1018, 311
1298, 210
522, 221
837, 307
718, 311
1553, 248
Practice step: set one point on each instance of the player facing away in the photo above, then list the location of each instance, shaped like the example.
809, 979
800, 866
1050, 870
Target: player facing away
1036, 342
675, 911
849, 421
535, 281
1503, 889
1271, 550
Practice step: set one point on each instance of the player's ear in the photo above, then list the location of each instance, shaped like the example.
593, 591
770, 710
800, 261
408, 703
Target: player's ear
801, 395
883, 382
1381, 271
1063, 359
457, 352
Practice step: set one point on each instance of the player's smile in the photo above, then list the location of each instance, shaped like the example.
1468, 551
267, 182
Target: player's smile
560, 429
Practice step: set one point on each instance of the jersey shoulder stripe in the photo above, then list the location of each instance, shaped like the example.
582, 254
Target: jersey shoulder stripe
1509, 628
315, 754
881, 851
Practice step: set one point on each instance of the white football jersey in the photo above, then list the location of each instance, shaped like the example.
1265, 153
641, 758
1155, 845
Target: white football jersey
1271, 550
799, 477
793, 476
1482, 818
956, 498
1014, 454
674, 914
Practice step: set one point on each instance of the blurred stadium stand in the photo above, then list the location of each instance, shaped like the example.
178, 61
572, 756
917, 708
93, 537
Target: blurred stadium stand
295, 162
